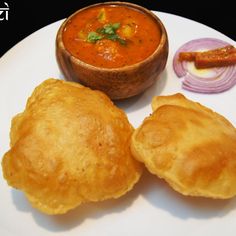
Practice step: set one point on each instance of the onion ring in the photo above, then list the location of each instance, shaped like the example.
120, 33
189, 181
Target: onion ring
212, 80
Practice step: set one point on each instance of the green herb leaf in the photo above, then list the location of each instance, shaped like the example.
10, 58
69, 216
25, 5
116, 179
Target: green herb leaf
100, 30
112, 37
121, 41
116, 26
116, 37
110, 28
108, 31
93, 37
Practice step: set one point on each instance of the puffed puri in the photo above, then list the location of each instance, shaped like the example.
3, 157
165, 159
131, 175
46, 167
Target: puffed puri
69, 146
188, 145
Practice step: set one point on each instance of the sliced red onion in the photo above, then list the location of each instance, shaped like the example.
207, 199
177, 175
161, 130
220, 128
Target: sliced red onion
217, 80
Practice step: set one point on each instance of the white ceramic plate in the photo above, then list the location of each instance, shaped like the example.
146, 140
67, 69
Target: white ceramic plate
152, 208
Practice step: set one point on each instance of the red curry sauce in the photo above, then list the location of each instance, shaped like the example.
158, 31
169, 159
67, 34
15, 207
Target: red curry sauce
136, 36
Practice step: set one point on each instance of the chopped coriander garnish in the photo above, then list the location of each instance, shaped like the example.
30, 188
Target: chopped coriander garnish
93, 37
116, 37
111, 28
108, 31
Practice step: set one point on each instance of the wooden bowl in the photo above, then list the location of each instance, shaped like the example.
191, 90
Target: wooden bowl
121, 82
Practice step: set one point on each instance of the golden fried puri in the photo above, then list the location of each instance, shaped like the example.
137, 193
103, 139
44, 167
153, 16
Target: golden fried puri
70, 145
188, 145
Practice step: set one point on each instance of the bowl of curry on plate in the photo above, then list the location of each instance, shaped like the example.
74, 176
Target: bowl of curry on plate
119, 48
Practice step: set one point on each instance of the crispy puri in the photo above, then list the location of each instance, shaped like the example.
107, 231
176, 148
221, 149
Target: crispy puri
189, 146
70, 145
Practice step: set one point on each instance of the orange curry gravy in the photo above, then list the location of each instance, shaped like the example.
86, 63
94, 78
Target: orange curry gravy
138, 32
